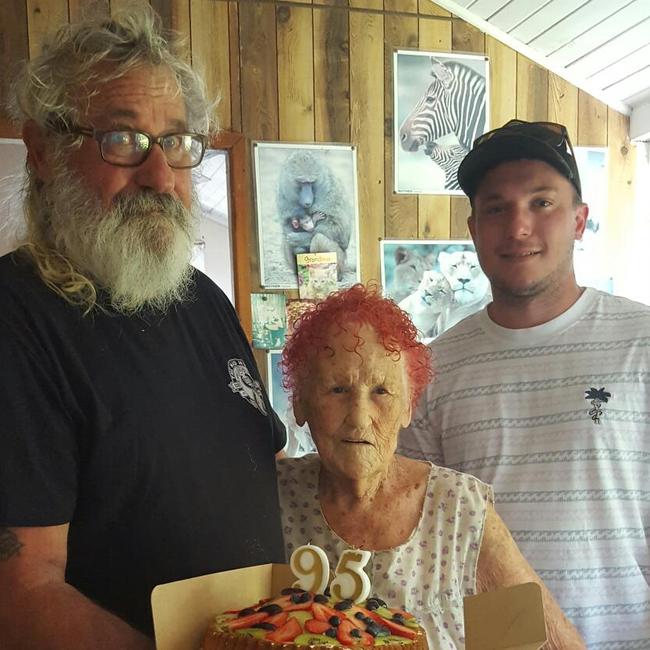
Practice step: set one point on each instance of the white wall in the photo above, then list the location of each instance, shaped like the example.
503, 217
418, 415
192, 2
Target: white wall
212, 188
217, 260
12, 164
635, 281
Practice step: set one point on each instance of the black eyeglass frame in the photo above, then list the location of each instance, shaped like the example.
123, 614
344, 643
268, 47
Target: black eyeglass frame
98, 136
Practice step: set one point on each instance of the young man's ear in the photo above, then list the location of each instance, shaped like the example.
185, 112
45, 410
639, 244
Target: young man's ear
582, 214
471, 224
35, 141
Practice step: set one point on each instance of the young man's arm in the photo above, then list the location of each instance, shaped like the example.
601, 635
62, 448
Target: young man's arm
501, 564
38, 609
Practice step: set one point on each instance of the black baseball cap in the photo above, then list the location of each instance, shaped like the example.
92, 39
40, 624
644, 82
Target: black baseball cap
519, 140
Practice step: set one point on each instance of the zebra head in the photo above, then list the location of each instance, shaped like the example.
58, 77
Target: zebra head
453, 104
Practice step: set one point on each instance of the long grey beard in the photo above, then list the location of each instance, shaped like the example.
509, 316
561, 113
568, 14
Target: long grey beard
138, 250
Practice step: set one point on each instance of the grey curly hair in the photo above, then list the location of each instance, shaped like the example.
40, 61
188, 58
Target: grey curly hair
46, 91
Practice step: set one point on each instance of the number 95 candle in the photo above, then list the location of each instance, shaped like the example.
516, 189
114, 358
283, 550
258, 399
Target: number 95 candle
312, 568
310, 565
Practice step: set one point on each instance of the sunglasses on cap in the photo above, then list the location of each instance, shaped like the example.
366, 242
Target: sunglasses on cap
551, 133
515, 140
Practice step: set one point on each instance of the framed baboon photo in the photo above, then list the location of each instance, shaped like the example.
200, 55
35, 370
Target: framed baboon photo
436, 282
306, 202
441, 105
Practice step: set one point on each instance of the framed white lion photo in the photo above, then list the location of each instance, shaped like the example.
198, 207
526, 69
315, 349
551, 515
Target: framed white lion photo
437, 282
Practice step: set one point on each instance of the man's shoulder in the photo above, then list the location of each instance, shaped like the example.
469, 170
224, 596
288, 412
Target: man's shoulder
15, 266
207, 291
612, 304
470, 326
614, 316
20, 283
465, 339
206, 283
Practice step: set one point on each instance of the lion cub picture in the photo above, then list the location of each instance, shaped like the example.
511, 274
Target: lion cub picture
438, 283
428, 306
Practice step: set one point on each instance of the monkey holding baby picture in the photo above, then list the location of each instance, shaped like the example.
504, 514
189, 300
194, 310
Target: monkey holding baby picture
306, 199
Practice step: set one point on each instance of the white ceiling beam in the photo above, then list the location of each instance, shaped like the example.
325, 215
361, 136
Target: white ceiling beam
640, 122
485, 8
545, 20
632, 86
617, 69
527, 51
572, 27
622, 45
596, 33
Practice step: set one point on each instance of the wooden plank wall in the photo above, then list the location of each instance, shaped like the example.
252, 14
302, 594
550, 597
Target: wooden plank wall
321, 70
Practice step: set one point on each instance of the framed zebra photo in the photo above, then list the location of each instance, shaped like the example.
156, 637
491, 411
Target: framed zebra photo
441, 106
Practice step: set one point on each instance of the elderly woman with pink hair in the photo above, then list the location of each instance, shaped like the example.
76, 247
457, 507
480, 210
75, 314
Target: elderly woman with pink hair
355, 369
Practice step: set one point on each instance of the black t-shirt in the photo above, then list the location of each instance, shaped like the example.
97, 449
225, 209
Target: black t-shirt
152, 435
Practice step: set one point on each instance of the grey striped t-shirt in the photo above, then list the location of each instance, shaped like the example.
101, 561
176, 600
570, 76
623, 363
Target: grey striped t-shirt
557, 419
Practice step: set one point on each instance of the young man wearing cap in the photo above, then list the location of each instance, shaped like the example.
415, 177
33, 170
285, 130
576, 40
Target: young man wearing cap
546, 392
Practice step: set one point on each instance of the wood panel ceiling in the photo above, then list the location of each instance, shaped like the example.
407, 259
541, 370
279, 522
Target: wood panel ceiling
601, 46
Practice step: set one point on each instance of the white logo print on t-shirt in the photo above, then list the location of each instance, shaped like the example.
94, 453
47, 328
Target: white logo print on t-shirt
244, 384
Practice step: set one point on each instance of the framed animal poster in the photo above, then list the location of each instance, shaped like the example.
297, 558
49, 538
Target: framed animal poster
441, 105
269, 319
437, 282
299, 440
306, 201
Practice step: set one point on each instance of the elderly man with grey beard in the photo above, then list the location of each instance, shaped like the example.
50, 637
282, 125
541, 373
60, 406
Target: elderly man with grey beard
136, 441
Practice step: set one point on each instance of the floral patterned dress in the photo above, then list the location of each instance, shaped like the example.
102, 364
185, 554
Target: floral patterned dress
430, 573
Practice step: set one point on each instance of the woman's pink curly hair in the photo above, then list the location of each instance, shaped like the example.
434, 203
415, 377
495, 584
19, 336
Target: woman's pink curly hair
359, 305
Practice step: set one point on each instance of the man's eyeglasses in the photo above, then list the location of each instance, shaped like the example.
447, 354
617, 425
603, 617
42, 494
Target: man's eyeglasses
551, 133
126, 148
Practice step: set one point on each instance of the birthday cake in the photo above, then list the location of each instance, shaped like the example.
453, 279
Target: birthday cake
299, 618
